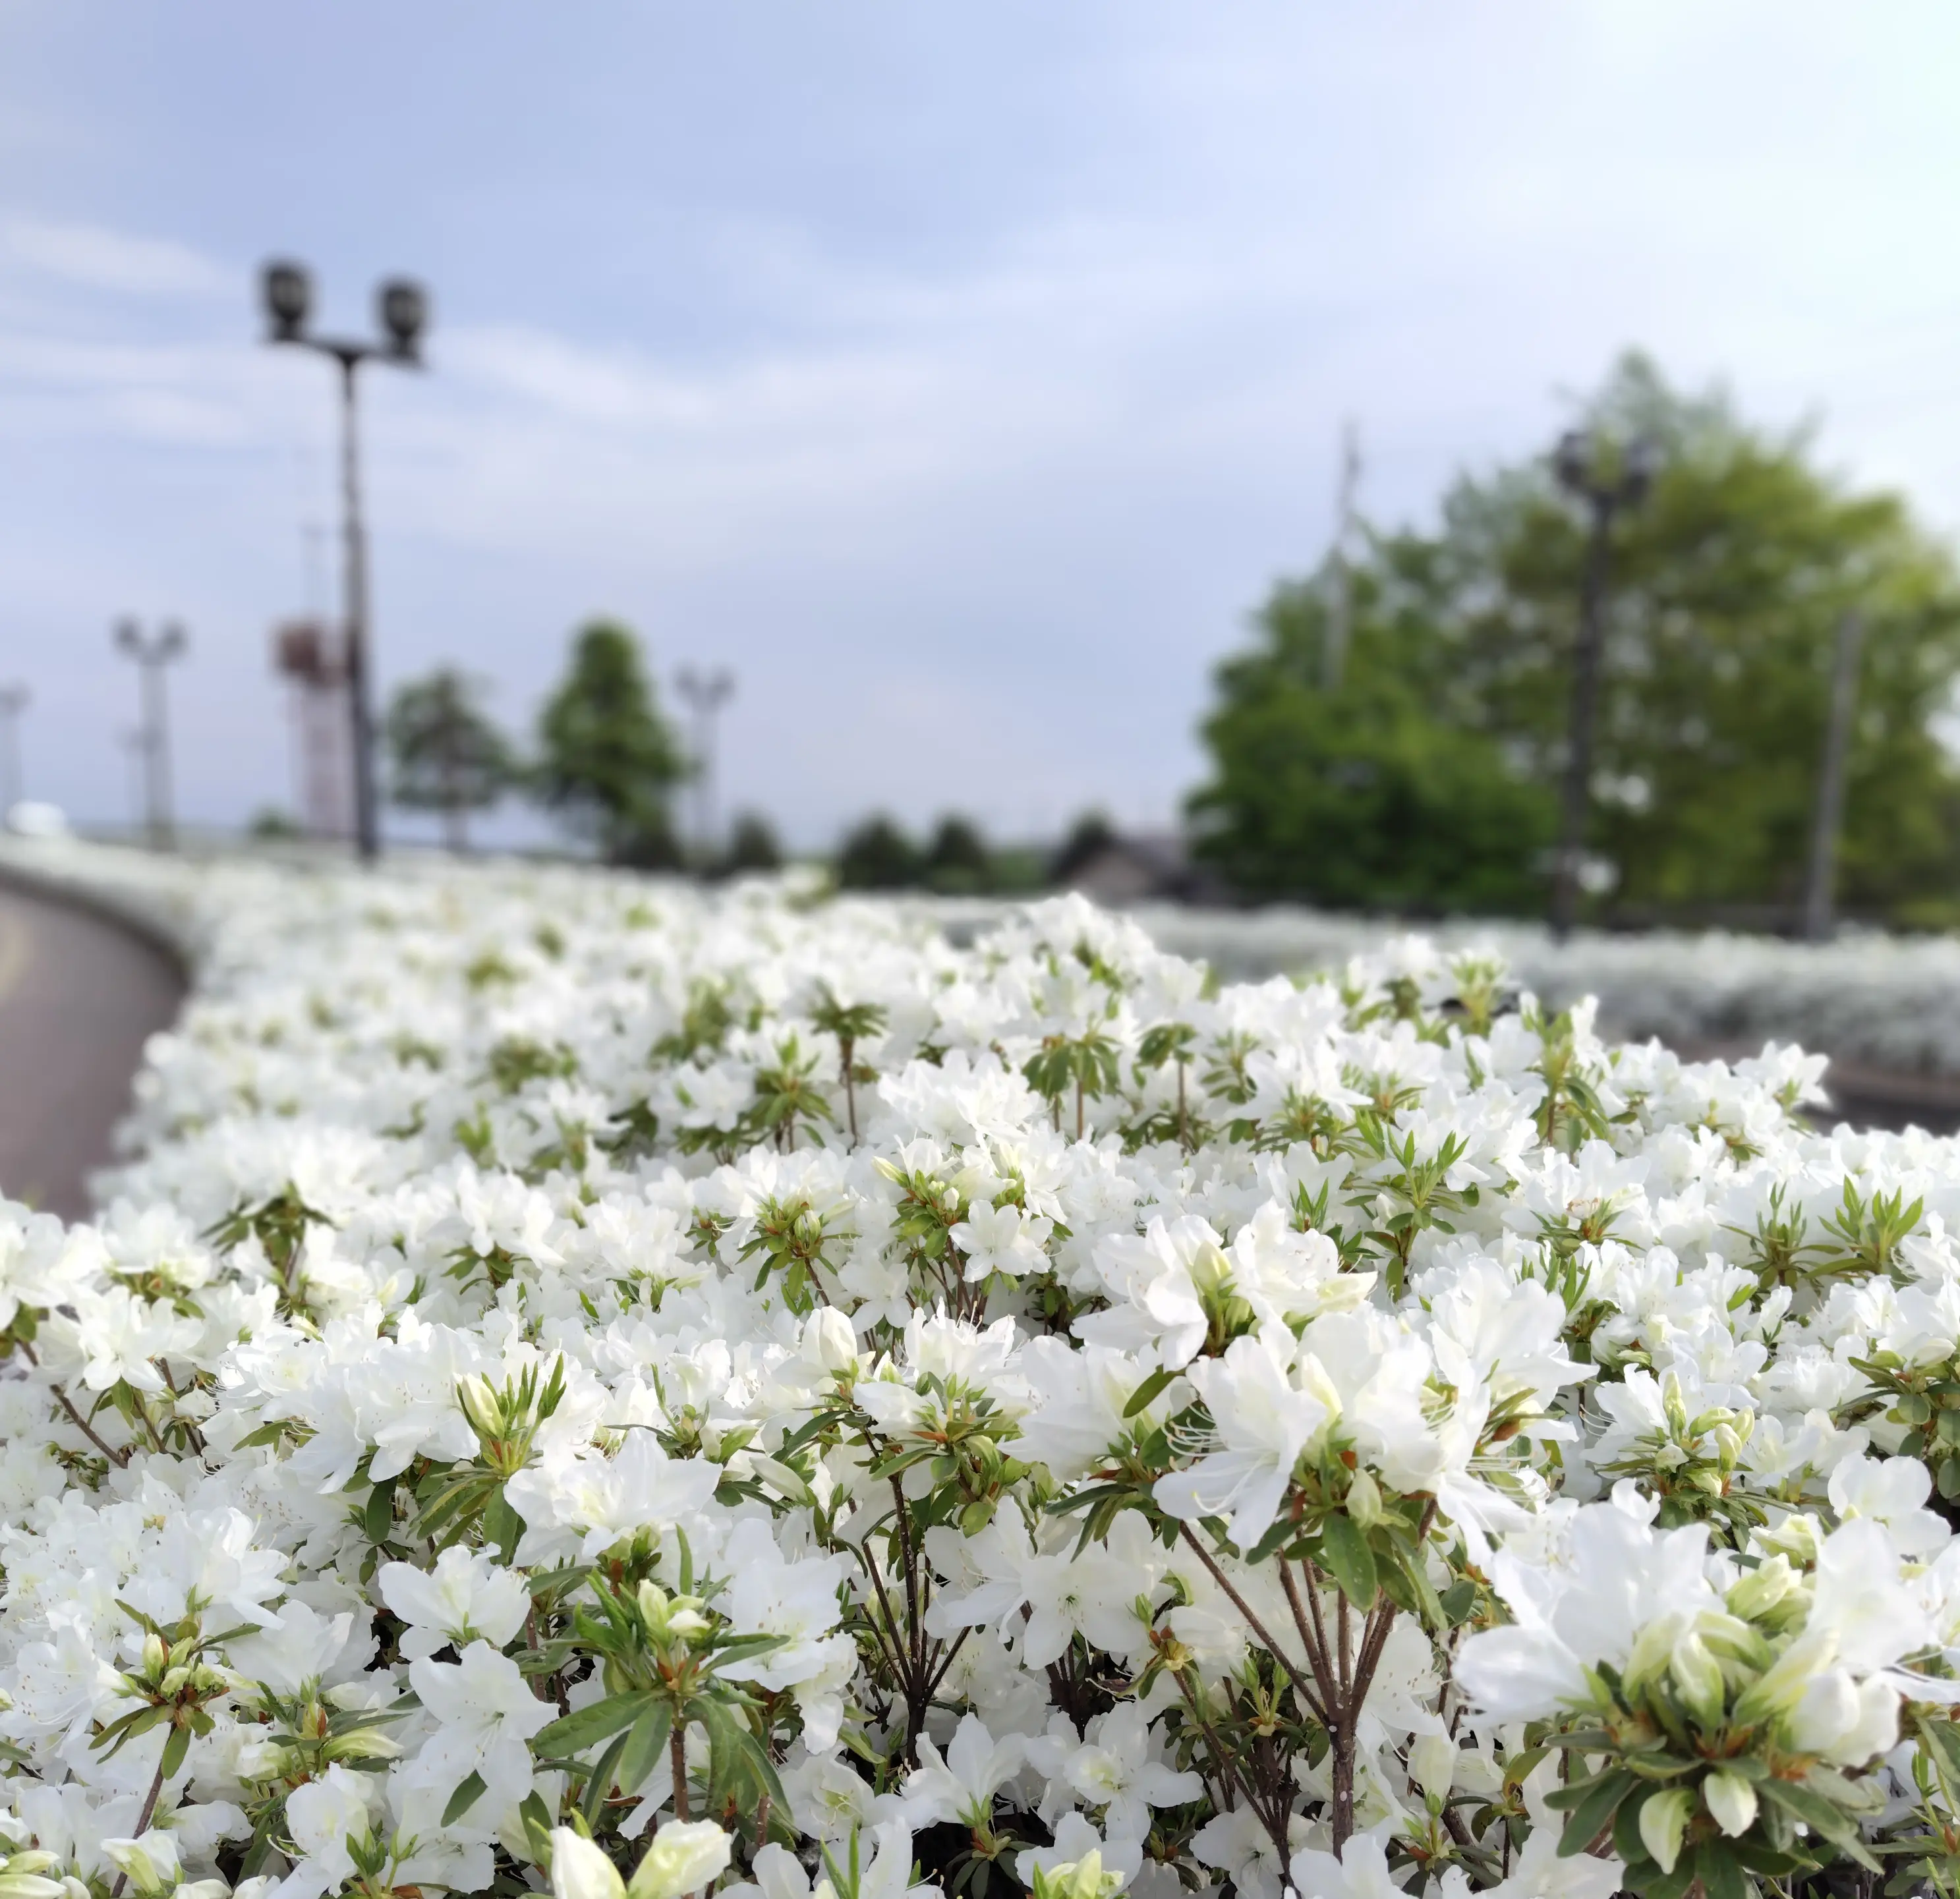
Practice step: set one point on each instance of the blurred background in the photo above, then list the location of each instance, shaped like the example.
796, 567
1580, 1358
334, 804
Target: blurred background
1117, 442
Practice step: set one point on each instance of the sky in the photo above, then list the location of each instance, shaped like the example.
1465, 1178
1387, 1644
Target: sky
961, 375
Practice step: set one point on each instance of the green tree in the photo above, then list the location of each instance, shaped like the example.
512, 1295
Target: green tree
1726, 590
957, 861
752, 845
876, 855
609, 761
447, 756
1366, 794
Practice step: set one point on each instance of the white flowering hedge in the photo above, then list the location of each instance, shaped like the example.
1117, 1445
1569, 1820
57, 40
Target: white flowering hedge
1890, 1002
586, 1387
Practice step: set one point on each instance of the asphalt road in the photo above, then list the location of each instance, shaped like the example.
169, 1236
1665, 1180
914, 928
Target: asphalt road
78, 997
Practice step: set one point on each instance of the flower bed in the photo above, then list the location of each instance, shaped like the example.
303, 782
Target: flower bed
582, 1386
1889, 1003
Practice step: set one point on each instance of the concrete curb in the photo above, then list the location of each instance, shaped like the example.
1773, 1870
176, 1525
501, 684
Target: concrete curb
149, 922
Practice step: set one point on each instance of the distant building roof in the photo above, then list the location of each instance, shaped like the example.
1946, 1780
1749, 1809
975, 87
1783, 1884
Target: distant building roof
1118, 869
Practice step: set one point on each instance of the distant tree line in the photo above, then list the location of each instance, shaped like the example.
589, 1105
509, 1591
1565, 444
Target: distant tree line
607, 764
1424, 778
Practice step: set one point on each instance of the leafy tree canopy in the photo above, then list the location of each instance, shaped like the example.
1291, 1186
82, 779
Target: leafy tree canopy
448, 756
609, 760
1426, 779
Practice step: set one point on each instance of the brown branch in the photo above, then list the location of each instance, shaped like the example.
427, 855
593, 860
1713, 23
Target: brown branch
1244, 1607
1316, 1656
148, 1814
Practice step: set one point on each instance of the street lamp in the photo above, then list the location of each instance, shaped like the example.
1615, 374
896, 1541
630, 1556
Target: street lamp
402, 308
1606, 485
152, 655
13, 703
705, 694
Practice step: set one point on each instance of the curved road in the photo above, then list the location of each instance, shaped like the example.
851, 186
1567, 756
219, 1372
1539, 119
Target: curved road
78, 997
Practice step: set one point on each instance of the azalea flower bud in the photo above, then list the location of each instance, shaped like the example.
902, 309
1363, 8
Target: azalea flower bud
1364, 1499
685, 1855
1663, 1820
21, 1876
27, 1884
481, 1405
1732, 1800
1432, 1764
1698, 1677
829, 1339
155, 1656
579, 1870
150, 1864
1653, 1648
1756, 1592
1083, 1878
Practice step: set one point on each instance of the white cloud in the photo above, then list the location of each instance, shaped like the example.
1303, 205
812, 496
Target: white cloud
96, 257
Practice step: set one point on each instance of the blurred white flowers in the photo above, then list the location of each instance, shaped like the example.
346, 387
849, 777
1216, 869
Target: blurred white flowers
581, 1380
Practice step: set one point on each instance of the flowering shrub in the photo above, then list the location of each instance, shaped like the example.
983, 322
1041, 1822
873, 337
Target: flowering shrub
584, 1386
1890, 1002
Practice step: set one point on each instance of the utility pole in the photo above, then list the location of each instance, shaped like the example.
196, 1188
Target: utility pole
1578, 464
1818, 887
1341, 581
705, 693
152, 655
403, 308
13, 703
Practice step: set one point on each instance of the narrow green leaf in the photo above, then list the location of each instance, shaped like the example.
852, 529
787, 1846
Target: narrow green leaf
576, 1732
1345, 1555
644, 1740
1721, 1877
175, 1749
1820, 1816
1141, 1398
468, 1792
604, 1774
380, 1516
1593, 1812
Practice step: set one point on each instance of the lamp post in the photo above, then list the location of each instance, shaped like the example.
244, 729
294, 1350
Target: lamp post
403, 308
13, 703
152, 655
705, 694
1606, 486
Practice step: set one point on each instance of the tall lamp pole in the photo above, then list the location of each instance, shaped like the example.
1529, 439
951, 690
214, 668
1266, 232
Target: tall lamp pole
152, 655
13, 703
705, 693
402, 307
1584, 472
1819, 886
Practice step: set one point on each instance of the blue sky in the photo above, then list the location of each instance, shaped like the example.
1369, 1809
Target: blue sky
960, 374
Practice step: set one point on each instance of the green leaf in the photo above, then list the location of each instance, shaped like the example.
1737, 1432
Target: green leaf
605, 1773
644, 1740
1820, 1815
1141, 1398
175, 1749
380, 1516
468, 1792
1346, 1556
576, 1732
1721, 1877
1598, 1800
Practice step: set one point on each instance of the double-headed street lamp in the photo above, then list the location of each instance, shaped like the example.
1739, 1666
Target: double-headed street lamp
1606, 485
403, 308
151, 655
705, 694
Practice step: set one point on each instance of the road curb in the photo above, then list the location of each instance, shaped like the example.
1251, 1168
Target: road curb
149, 923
